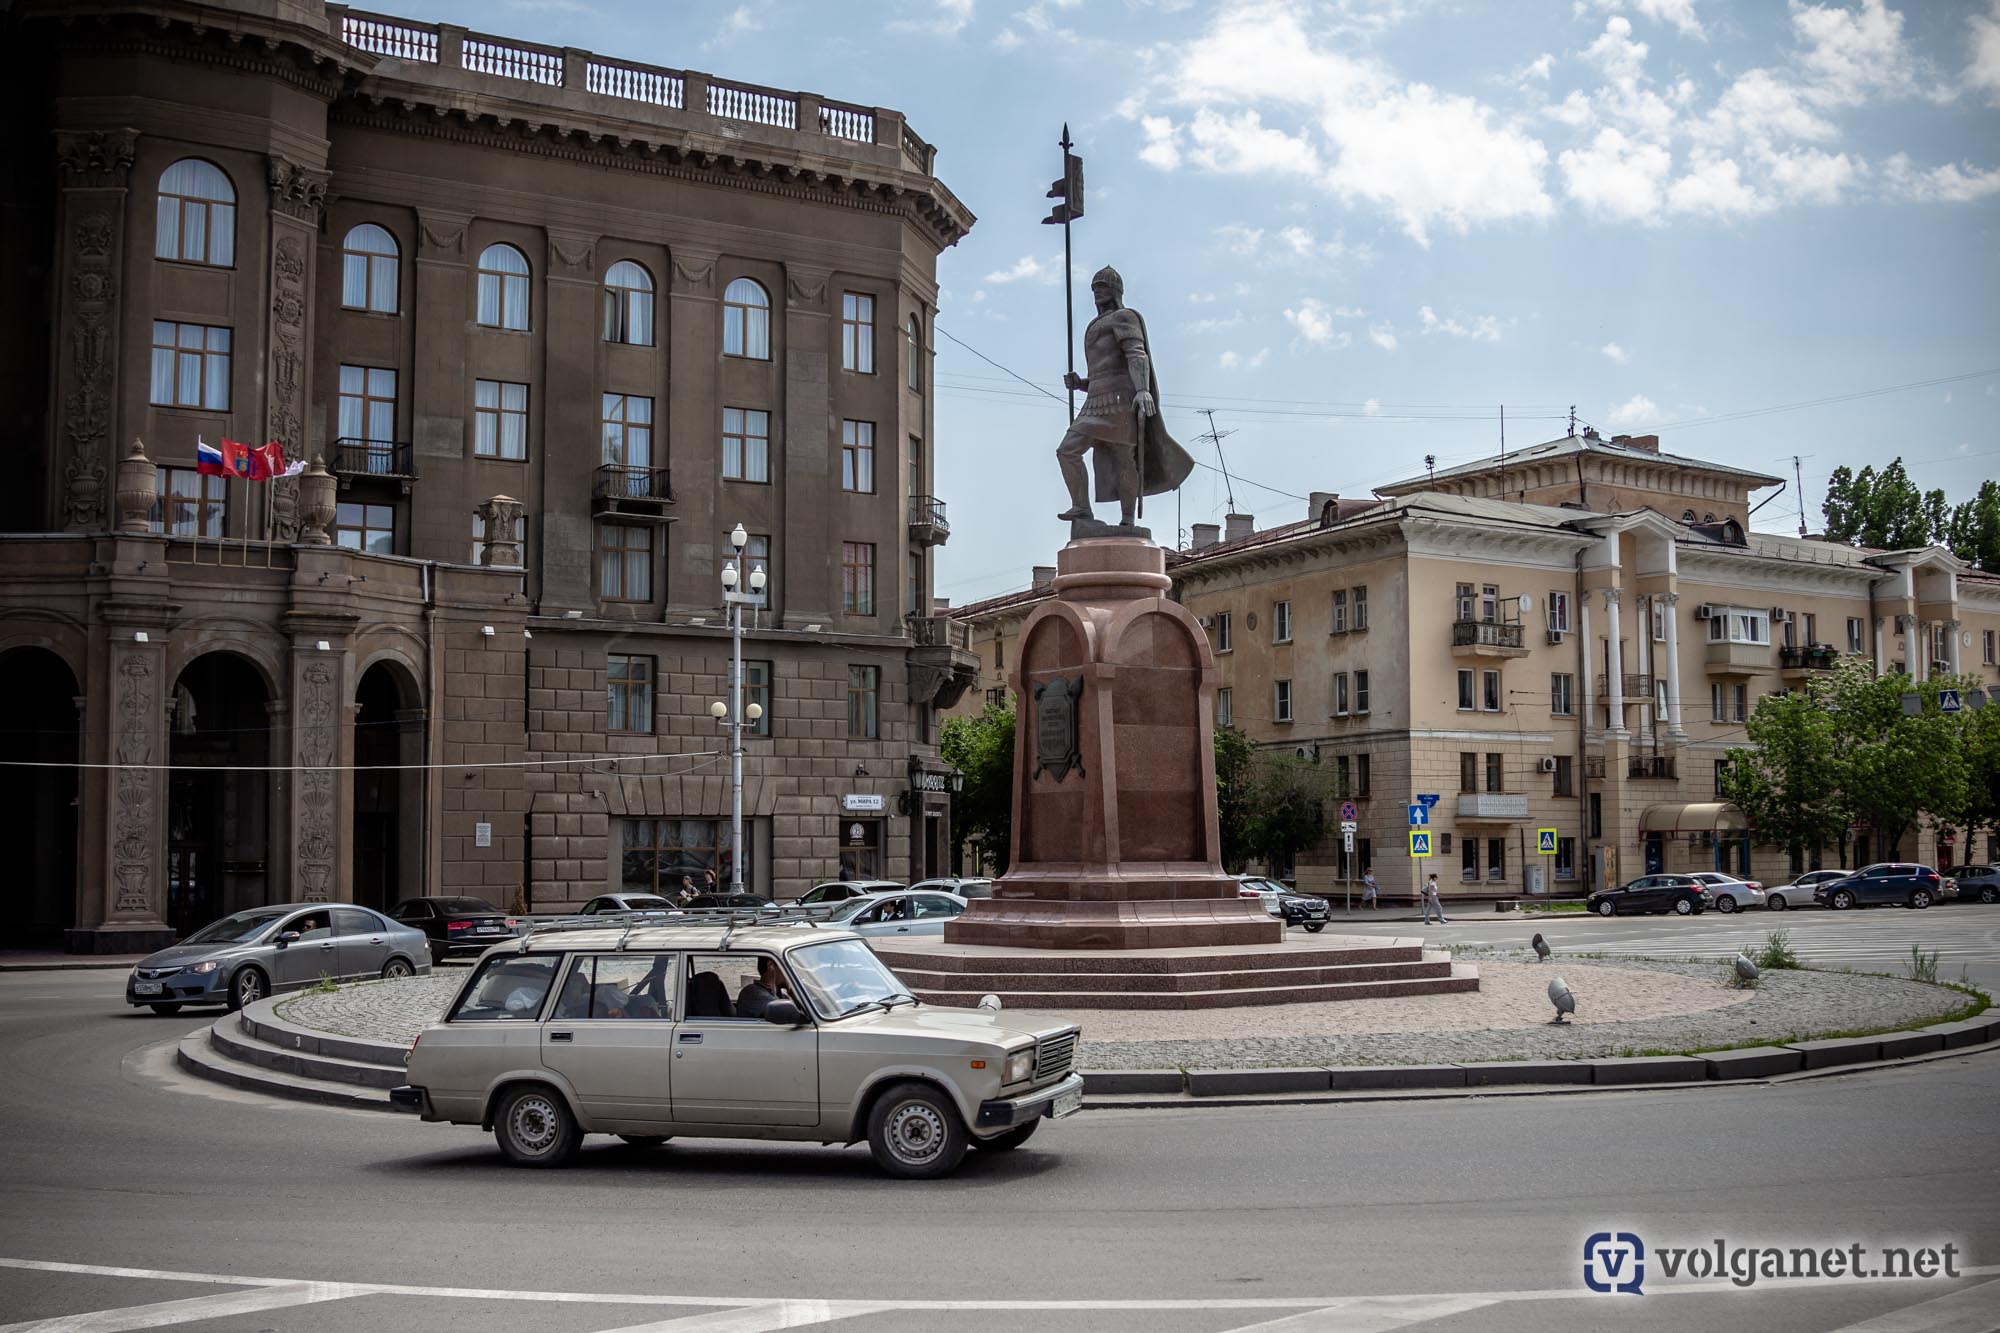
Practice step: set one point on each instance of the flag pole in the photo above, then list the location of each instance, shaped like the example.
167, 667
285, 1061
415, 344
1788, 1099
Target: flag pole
1069, 278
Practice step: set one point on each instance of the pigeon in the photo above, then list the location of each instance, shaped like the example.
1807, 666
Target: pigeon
1559, 995
1746, 971
1540, 946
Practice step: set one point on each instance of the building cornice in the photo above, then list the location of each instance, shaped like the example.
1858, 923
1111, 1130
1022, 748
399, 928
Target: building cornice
1714, 567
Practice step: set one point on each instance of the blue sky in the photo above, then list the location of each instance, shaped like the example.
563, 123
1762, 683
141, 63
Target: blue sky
1358, 227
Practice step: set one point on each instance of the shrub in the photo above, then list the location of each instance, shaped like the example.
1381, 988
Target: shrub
1776, 955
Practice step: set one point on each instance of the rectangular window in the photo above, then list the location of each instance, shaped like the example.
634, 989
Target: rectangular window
624, 562
1742, 703
1496, 858
190, 366
1811, 619
1596, 815
1468, 771
500, 419
1340, 694
1361, 775
1565, 776
193, 225
1463, 603
1223, 642
363, 527
1565, 858
863, 688
857, 456
368, 405
1339, 611
1489, 602
1559, 613
1489, 691
757, 690
746, 444
625, 426
917, 606
1281, 704
857, 578
1343, 776
1225, 707
1855, 643
629, 986
857, 332
1360, 618
189, 504
1360, 691
1790, 631
630, 682
1659, 610
1562, 693
1987, 639
1731, 624
1496, 772
1468, 860
1718, 706
916, 466
1281, 622
656, 853
1721, 777
1466, 698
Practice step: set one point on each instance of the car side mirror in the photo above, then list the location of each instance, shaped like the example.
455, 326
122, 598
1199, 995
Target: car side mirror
784, 1014
288, 938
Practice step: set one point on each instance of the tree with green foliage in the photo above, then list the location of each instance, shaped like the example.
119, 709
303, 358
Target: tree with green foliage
982, 748
1980, 738
1894, 766
1974, 530
1884, 510
1787, 781
1290, 797
1235, 759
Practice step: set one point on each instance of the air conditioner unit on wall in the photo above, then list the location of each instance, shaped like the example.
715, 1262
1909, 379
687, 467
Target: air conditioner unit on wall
1309, 752
1704, 611
1556, 637
1208, 622
1548, 764
1777, 613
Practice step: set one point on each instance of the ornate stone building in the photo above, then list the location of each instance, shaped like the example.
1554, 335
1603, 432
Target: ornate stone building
549, 326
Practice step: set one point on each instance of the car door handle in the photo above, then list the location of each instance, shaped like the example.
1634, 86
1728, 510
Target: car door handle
327, 945
562, 1036
690, 1038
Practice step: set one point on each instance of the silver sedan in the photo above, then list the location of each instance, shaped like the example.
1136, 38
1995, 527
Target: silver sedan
1799, 893
265, 950
898, 915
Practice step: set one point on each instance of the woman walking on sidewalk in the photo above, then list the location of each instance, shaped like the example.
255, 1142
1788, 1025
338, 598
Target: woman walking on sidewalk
1433, 903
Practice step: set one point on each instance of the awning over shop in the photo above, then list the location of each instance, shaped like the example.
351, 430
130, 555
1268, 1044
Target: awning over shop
1697, 817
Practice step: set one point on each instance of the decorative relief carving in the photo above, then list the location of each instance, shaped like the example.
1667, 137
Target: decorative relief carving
806, 291
288, 327
696, 275
95, 159
93, 289
285, 509
296, 191
579, 257
316, 779
440, 238
132, 844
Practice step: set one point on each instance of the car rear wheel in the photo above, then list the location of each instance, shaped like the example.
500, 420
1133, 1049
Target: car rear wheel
1607, 908
1725, 904
1684, 906
1842, 900
167, 1009
395, 970
1777, 902
1989, 894
915, 1134
1920, 899
534, 1127
247, 987
1010, 1140
646, 1140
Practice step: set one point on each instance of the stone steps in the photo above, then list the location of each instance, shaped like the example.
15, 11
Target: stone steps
1046, 993
254, 1052
926, 982
990, 961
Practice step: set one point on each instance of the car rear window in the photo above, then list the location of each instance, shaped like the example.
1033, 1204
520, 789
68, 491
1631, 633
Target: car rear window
511, 987
463, 906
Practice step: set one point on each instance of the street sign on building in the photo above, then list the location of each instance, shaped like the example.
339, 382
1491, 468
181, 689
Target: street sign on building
1545, 842
1348, 814
1348, 826
1429, 799
861, 801
1420, 816
1347, 840
1420, 842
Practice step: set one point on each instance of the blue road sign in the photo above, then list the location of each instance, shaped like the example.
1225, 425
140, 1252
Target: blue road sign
1420, 842
1948, 701
1420, 816
1348, 813
1430, 799
1545, 842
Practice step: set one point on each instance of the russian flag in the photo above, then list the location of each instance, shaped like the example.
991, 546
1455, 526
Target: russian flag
208, 460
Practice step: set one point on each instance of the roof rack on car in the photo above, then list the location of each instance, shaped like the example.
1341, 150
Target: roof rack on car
728, 918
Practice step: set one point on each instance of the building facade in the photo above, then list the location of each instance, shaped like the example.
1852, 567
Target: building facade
1568, 639
548, 325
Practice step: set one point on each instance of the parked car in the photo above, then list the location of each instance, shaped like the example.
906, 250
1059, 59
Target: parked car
840, 890
1901, 882
263, 951
455, 926
569, 1035
606, 904
1799, 893
898, 915
1977, 882
1683, 895
1288, 905
1726, 893
738, 901
964, 888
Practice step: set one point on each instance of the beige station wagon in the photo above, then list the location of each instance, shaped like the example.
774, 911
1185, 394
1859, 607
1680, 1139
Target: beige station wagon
730, 1030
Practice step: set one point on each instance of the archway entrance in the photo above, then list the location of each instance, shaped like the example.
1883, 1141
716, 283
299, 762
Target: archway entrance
388, 794
38, 805
219, 799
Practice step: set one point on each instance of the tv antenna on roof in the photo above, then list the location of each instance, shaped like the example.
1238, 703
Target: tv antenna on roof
1216, 437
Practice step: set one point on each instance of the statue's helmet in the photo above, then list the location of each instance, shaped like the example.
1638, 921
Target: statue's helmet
1109, 277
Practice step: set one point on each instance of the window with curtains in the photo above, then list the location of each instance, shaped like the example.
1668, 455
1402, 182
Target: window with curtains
1281, 701
1496, 772
857, 578
1225, 707
626, 423
655, 853
190, 366
1339, 617
196, 215
1468, 860
500, 419
1466, 700
1359, 620
367, 403
630, 687
1340, 694
1496, 858
624, 562
628, 304
1360, 691
503, 288
365, 527
746, 444
1489, 691
1565, 784
189, 504
757, 690
746, 320
1468, 771
857, 332
864, 685
1855, 642
857, 456
1562, 693
370, 269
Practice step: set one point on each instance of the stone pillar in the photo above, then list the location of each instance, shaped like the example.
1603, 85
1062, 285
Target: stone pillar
1642, 647
1614, 670
321, 722
570, 413
1879, 646
502, 517
95, 167
135, 492
1675, 731
132, 915
298, 197
1586, 685
1951, 644
802, 469
1916, 653
438, 398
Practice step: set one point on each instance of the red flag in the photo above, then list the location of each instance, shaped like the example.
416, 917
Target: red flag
236, 459
267, 461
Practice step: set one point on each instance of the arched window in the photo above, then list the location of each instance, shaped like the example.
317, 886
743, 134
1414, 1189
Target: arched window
368, 269
746, 320
917, 353
197, 214
628, 305
503, 288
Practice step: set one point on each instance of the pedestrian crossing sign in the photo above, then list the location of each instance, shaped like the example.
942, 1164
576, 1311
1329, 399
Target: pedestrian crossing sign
1545, 842
1420, 842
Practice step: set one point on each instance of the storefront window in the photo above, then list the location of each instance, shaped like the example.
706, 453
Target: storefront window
861, 849
657, 852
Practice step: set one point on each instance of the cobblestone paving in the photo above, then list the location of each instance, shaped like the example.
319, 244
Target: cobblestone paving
1623, 1008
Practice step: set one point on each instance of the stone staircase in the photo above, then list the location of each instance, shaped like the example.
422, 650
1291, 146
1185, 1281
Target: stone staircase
256, 1051
1352, 968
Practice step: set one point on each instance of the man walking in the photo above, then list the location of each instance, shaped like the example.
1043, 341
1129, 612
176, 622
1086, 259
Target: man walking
1368, 892
1433, 903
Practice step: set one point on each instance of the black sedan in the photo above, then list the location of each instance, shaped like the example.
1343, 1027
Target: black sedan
455, 927
1683, 895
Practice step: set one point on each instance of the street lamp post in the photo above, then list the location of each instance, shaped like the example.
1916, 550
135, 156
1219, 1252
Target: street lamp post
733, 714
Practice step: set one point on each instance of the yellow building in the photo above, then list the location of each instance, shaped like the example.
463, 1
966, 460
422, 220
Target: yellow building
1568, 638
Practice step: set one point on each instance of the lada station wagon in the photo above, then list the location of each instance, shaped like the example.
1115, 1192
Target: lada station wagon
721, 1030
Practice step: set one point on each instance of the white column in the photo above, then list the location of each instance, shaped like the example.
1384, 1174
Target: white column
1881, 647
1674, 729
1916, 653
1951, 645
1589, 657
1614, 671
1642, 642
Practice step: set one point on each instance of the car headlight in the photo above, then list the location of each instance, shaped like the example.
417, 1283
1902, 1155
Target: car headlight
206, 967
1020, 1065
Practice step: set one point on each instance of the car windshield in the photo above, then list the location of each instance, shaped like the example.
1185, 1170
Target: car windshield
641, 901
851, 908
825, 893
462, 906
234, 929
843, 977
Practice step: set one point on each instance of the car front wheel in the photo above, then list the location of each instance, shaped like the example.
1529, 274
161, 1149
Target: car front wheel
1607, 908
1010, 1140
1725, 904
1989, 894
1315, 927
535, 1128
1777, 902
1841, 901
915, 1134
1684, 906
247, 987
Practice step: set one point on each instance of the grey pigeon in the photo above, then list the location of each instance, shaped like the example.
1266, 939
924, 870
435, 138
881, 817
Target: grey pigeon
1559, 995
1746, 971
1540, 946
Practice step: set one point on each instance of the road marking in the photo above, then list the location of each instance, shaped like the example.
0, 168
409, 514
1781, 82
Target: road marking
1370, 1314
1973, 1310
191, 1310
757, 1318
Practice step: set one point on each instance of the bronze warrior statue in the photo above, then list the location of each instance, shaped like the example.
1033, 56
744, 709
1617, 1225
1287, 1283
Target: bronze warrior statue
1120, 422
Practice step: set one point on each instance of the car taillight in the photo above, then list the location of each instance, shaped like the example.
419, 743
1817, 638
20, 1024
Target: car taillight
458, 925
1699, 888
1930, 874
1754, 884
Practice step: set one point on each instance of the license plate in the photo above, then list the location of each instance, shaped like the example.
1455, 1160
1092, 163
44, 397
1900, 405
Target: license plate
147, 988
1066, 1103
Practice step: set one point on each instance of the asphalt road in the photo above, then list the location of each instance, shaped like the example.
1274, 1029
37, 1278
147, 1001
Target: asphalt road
136, 1198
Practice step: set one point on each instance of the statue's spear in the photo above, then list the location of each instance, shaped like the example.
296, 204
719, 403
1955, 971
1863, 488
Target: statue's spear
1069, 189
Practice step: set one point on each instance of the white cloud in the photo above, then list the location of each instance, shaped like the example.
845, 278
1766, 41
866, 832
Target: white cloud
1027, 266
1852, 53
1481, 328
1241, 238
1950, 183
1372, 408
1616, 178
1160, 150
1539, 68
1315, 323
1298, 239
1613, 352
1383, 336
1242, 144
1810, 176
1635, 411
1201, 298
1715, 188
1198, 327
1983, 73
1679, 13
1237, 361
945, 18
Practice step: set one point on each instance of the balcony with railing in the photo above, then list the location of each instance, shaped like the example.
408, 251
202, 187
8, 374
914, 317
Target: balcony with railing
1593, 766
1651, 768
1634, 686
1803, 659
1486, 638
942, 664
386, 460
641, 492
928, 526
